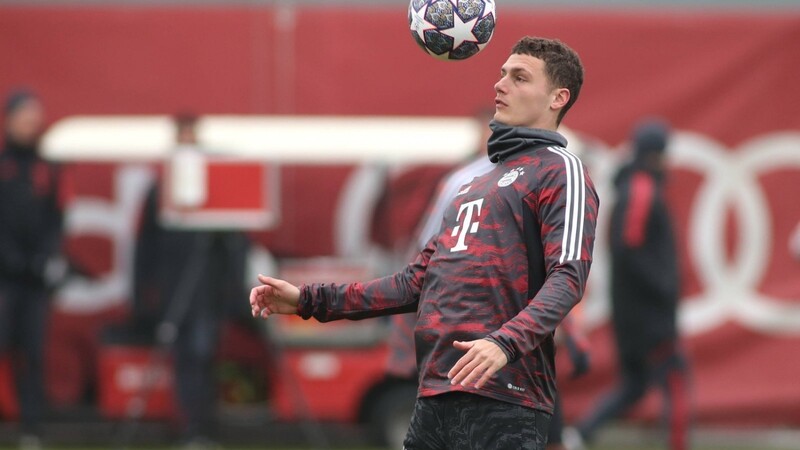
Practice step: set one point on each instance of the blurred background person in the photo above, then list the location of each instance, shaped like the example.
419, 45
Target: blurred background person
645, 289
30, 243
185, 280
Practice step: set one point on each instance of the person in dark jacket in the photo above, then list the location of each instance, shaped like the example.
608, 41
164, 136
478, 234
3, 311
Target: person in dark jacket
645, 288
30, 240
184, 283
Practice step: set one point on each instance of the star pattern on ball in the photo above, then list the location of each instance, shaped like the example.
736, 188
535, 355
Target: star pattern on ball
418, 22
461, 28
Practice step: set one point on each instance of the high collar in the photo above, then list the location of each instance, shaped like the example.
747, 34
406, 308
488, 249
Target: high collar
506, 140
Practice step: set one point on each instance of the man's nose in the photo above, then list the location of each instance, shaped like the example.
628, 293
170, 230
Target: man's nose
500, 85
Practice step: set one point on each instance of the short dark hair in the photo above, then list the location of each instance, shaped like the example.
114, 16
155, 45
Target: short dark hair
17, 97
651, 135
562, 65
185, 119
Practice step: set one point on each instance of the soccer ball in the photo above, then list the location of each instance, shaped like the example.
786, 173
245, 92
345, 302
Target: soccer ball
451, 29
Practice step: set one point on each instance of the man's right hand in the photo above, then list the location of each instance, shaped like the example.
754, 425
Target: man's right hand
273, 296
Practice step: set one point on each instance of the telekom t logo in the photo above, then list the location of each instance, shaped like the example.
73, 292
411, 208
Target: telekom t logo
469, 226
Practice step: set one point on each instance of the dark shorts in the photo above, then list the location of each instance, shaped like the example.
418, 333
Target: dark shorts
461, 421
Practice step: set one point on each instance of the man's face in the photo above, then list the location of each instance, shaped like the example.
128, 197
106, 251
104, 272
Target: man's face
26, 122
524, 95
187, 135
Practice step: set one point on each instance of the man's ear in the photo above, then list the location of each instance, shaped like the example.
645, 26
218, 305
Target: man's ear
561, 98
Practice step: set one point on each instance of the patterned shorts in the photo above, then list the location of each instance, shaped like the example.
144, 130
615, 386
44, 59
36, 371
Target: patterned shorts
461, 421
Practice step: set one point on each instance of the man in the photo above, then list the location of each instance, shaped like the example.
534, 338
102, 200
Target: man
508, 263
400, 363
183, 280
30, 239
645, 288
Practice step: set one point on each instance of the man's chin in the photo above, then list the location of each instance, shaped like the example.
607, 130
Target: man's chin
499, 117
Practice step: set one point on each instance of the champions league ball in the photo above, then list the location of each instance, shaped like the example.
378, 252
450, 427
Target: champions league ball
451, 29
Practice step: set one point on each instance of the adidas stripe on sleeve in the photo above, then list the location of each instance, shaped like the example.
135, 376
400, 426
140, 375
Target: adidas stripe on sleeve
575, 208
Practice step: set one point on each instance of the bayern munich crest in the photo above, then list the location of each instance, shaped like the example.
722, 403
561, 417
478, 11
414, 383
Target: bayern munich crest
510, 176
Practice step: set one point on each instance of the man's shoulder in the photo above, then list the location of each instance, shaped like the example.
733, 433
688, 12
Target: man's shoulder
558, 164
557, 157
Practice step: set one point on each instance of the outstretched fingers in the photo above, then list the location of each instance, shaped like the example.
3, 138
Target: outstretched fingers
258, 297
487, 374
256, 300
273, 296
462, 371
465, 373
480, 362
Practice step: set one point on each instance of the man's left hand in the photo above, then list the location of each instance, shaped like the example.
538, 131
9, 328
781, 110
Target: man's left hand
482, 360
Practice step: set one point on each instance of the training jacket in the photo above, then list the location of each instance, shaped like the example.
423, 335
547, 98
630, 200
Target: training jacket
645, 284
509, 262
30, 214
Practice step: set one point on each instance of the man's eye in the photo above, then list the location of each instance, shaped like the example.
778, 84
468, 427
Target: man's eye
520, 78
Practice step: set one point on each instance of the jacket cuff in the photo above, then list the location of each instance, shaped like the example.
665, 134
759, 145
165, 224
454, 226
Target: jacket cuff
510, 353
304, 308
